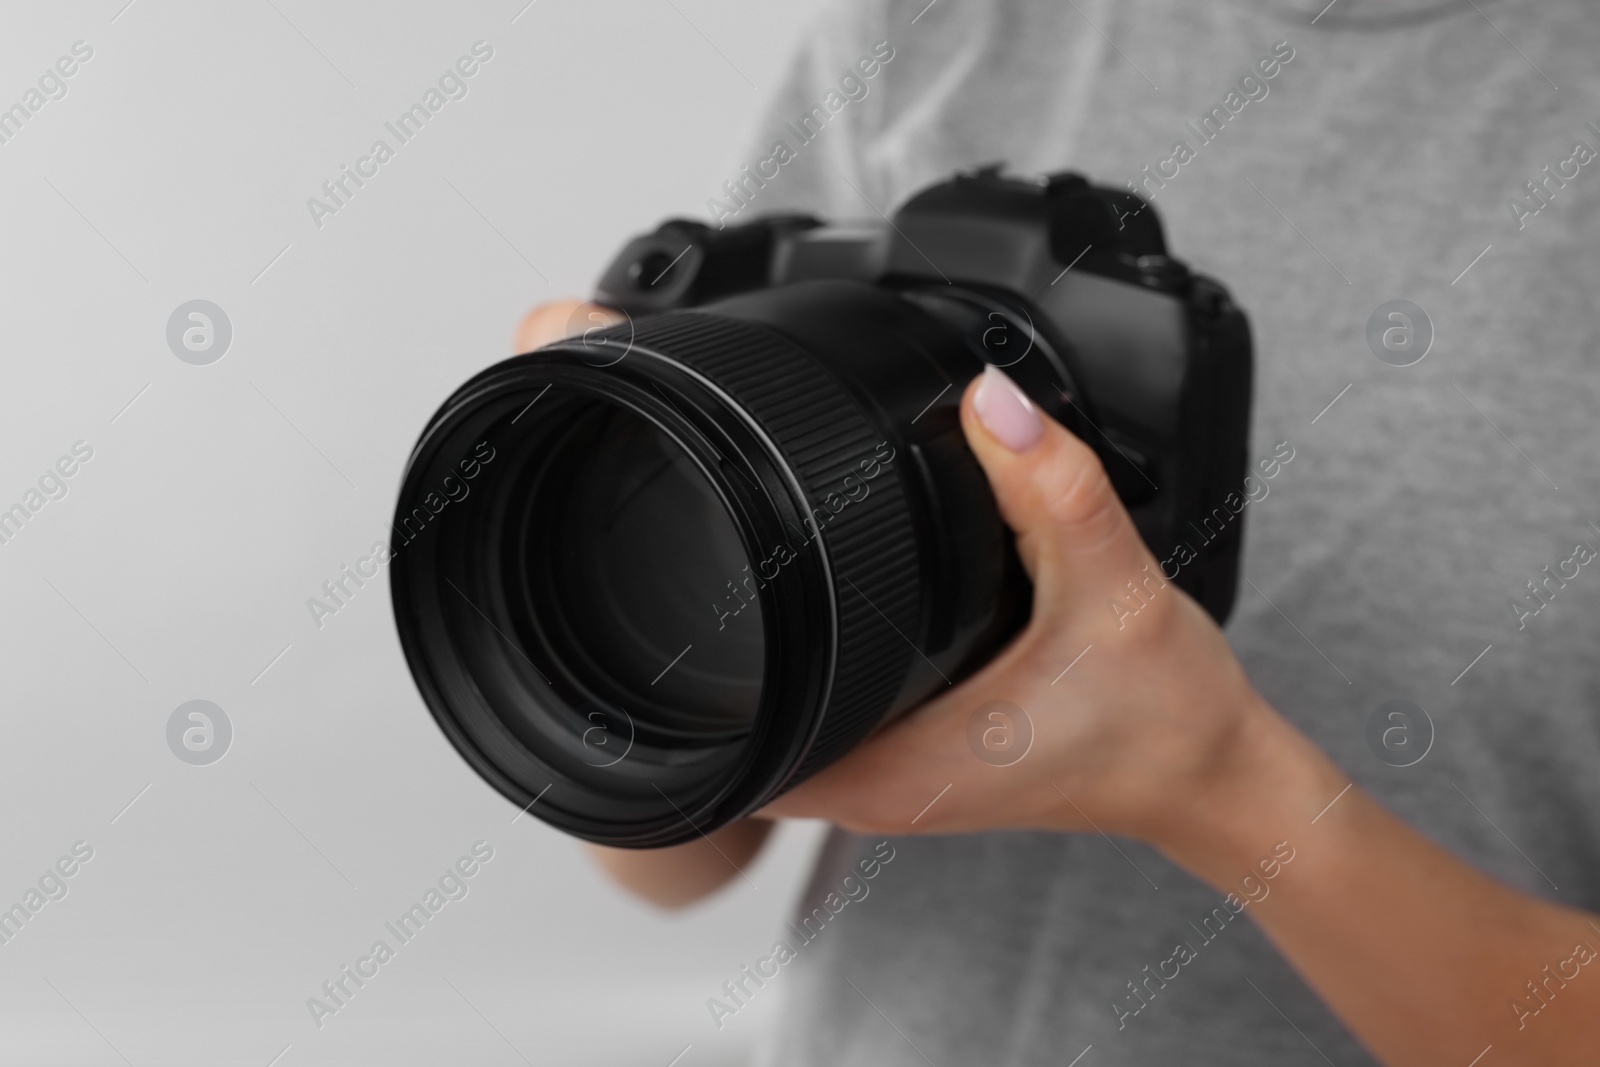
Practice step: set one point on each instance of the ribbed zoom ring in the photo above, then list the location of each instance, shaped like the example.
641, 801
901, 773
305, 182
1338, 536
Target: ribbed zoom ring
825, 437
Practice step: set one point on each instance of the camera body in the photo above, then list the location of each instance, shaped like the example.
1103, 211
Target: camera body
1066, 286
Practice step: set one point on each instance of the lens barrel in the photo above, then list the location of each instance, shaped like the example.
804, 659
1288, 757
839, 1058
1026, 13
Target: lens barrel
709, 553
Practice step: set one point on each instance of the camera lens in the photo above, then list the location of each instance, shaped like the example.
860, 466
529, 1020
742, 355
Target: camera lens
649, 579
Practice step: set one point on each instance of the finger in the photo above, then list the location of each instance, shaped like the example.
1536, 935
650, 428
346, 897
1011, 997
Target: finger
1073, 533
559, 319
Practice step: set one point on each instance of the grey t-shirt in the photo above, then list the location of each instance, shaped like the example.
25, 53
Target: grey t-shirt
1391, 558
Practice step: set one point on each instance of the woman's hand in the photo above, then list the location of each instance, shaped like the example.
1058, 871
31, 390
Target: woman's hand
1144, 725
1143, 722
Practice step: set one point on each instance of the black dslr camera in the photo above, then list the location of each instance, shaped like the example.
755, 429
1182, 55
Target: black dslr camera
716, 545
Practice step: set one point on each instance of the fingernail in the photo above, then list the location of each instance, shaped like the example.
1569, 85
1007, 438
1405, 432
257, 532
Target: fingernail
1006, 412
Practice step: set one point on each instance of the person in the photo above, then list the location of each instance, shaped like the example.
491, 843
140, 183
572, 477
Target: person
1224, 847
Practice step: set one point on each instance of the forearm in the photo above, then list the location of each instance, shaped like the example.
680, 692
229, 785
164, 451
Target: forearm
683, 874
1420, 955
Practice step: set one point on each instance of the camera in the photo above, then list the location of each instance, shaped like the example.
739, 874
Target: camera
699, 554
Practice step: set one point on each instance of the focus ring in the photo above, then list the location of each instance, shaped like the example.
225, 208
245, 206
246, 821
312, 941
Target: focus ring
823, 435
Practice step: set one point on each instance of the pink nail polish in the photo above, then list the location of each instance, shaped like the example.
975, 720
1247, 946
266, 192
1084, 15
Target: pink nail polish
1006, 412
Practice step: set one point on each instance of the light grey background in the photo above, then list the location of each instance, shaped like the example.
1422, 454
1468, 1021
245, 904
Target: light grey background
179, 563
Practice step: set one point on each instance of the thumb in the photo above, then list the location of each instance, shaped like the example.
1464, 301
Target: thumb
1073, 534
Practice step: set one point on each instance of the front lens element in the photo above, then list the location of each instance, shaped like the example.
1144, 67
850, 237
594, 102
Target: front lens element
634, 568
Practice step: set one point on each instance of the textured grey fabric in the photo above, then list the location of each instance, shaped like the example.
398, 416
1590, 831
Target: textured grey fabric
1391, 549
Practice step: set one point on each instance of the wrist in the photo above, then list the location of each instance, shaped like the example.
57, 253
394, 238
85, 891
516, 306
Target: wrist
1268, 783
